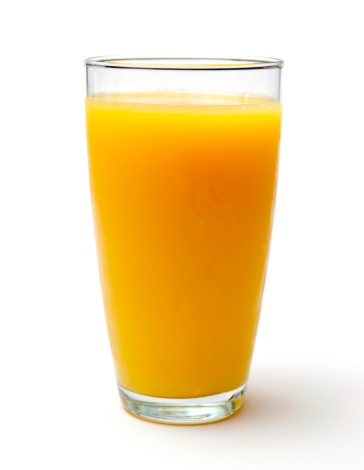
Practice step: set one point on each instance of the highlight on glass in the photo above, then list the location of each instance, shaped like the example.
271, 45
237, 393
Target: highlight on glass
183, 162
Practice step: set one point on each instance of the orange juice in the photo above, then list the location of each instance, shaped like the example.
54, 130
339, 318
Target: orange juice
183, 190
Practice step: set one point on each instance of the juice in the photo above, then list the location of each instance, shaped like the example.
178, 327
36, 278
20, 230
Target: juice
183, 190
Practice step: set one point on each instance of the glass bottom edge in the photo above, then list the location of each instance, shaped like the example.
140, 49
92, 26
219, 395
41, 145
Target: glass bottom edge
184, 411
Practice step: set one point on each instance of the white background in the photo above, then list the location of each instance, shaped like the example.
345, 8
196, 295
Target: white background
59, 407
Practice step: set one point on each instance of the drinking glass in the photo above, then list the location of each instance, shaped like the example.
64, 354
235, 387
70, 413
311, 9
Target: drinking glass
183, 161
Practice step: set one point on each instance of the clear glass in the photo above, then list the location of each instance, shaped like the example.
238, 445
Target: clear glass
183, 161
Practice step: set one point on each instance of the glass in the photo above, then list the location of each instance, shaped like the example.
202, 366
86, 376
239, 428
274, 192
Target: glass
183, 160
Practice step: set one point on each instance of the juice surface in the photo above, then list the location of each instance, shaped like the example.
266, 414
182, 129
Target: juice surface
183, 189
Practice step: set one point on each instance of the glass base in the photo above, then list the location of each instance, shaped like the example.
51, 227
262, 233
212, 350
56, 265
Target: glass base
183, 410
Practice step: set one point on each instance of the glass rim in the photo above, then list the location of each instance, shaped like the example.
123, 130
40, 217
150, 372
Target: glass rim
183, 63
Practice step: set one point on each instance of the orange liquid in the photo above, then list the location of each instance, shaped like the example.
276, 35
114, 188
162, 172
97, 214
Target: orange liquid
183, 190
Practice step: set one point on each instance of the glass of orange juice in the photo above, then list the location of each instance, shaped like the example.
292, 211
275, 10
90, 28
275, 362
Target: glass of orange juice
183, 160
